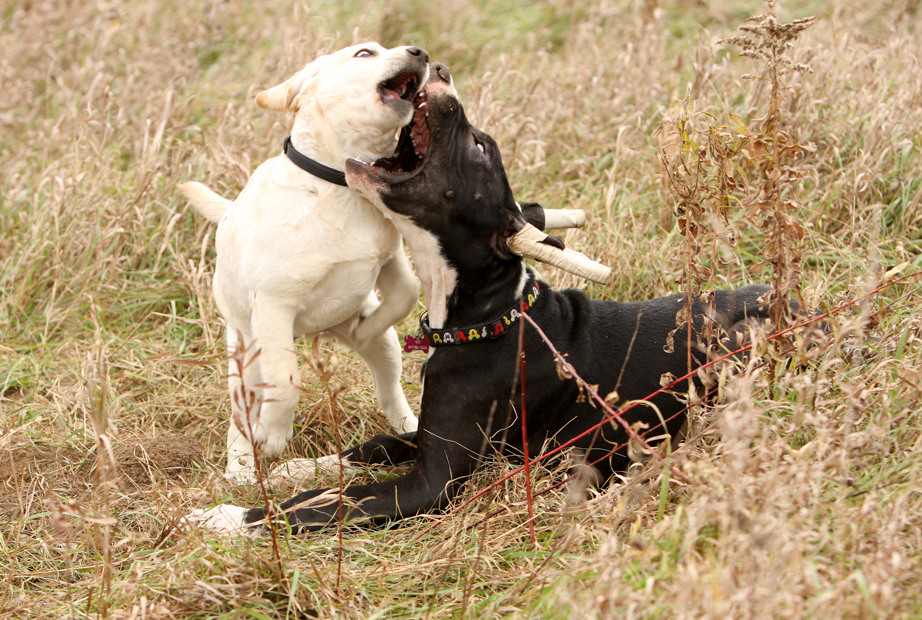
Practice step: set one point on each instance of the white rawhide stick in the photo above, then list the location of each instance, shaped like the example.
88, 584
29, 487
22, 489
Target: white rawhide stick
528, 243
564, 218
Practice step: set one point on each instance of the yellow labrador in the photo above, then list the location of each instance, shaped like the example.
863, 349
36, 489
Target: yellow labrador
300, 254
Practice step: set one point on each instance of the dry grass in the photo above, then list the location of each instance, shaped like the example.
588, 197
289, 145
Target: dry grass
805, 500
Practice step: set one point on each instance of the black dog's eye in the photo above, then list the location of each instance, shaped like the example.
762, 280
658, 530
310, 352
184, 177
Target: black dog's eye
480, 146
365, 53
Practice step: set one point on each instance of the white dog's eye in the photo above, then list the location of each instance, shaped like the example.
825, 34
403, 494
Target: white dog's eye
364, 54
480, 146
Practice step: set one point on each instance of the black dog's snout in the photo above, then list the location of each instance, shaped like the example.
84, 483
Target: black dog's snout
439, 71
418, 52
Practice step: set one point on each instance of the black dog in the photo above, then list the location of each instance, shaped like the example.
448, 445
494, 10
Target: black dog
458, 215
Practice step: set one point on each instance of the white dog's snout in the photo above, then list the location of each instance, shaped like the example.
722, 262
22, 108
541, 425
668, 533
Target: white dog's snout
418, 52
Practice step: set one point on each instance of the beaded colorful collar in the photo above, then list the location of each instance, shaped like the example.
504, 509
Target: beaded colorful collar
473, 333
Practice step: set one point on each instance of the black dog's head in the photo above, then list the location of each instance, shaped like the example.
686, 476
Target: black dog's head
448, 179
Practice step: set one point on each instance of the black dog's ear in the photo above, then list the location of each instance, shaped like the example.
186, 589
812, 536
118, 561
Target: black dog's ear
534, 214
516, 223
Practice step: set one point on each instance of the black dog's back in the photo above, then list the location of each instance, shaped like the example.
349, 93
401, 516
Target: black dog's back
622, 347
616, 346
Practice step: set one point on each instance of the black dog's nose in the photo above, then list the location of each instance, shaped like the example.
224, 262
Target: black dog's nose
439, 71
418, 52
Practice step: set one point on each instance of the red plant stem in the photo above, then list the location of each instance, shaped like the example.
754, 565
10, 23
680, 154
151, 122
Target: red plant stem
339, 452
251, 402
531, 515
605, 406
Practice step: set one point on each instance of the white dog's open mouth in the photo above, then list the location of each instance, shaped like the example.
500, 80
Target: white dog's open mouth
402, 86
413, 144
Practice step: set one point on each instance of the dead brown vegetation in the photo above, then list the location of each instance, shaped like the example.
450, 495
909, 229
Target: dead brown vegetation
804, 496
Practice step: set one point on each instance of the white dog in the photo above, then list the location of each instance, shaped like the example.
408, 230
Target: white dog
301, 254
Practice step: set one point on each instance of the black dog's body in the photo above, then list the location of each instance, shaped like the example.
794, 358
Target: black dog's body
457, 212
467, 389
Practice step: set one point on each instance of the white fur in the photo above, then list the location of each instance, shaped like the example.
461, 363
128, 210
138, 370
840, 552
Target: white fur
222, 519
437, 276
300, 256
300, 470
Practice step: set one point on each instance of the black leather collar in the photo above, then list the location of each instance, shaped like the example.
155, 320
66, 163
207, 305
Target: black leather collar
317, 169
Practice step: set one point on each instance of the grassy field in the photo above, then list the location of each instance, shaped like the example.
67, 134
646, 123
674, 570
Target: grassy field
804, 490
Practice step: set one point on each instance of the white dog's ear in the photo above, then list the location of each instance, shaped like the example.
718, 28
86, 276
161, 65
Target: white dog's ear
284, 96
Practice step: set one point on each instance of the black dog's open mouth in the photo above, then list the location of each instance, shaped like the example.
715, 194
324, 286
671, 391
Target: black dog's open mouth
413, 144
402, 86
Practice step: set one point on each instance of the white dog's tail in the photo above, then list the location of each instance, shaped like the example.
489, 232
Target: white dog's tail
205, 201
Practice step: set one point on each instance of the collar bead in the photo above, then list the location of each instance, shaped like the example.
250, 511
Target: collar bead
481, 331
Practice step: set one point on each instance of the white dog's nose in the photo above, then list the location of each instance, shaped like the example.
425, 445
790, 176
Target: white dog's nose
418, 52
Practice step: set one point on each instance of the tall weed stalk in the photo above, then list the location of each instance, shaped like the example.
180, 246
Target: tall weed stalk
712, 172
772, 154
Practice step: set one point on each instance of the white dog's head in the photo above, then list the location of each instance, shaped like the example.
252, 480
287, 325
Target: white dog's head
351, 103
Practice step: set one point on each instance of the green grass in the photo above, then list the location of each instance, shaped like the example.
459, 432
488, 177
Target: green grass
804, 501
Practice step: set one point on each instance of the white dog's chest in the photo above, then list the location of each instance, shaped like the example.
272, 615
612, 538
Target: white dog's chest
320, 263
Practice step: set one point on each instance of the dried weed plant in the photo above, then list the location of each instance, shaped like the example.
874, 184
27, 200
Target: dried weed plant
772, 152
703, 168
723, 167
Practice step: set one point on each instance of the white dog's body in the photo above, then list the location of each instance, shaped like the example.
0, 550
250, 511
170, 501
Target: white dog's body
298, 255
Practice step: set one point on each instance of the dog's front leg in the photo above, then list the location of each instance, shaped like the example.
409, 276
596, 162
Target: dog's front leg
240, 464
419, 491
377, 342
273, 325
379, 450
382, 354
400, 290
429, 485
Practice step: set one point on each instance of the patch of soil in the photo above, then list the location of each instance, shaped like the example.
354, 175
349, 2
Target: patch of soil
27, 472
171, 457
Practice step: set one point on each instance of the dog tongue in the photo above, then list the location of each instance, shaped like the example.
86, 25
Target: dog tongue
399, 91
396, 87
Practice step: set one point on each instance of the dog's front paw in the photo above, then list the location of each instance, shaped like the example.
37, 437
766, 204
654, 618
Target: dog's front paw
272, 439
367, 330
408, 424
302, 470
240, 470
223, 519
